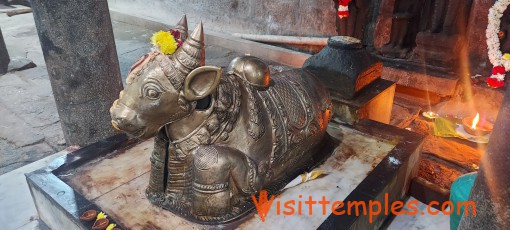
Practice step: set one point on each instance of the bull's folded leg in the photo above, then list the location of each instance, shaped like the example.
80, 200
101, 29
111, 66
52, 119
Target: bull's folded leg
211, 199
155, 190
214, 167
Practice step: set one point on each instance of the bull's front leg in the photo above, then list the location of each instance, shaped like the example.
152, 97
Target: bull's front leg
214, 168
155, 190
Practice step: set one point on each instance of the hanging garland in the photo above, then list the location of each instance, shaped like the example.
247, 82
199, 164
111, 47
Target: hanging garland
343, 8
500, 62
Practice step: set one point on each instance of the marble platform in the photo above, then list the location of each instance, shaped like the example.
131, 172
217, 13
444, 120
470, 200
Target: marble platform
371, 159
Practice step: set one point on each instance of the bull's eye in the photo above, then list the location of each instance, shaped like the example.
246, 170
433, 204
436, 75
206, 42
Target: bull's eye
152, 94
151, 91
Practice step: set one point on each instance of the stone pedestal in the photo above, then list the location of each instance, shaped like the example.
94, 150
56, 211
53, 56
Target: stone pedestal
79, 50
374, 102
371, 161
344, 66
4, 55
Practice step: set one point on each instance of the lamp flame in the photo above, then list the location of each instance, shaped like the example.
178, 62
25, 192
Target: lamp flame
475, 121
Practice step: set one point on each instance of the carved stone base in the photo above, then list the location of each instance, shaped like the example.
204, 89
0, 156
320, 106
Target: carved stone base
374, 102
371, 160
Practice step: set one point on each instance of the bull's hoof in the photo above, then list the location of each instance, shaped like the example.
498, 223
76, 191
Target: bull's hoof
156, 198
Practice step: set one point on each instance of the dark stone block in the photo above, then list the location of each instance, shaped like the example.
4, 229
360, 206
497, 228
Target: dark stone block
344, 66
4, 55
374, 102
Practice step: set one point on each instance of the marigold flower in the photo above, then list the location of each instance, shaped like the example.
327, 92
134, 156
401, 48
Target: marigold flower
165, 41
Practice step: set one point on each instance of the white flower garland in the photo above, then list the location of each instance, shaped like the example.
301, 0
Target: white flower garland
493, 45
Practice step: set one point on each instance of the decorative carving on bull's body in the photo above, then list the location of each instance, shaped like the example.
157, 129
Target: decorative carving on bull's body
219, 138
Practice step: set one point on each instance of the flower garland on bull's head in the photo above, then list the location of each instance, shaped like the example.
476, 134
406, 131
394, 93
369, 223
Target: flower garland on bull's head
500, 61
167, 41
343, 8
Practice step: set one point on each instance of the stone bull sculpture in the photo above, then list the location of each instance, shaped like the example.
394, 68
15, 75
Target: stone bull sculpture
219, 138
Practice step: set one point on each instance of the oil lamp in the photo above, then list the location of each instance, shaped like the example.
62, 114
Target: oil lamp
477, 127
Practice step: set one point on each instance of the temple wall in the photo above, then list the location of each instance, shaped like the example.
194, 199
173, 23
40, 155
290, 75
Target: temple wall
283, 17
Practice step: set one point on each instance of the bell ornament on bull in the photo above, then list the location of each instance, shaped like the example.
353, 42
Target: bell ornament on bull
252, 69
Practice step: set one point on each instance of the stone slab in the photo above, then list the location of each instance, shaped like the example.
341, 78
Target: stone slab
100, 177
20, 63
354, 158
127, 206
441, 86
18, 208
15, 130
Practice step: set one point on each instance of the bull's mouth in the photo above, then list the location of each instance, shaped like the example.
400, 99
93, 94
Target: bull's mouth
136, 133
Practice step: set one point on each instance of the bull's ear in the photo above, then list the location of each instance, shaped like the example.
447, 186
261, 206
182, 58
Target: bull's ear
201, 82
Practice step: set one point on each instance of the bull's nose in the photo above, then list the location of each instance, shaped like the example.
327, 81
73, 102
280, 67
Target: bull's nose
122, 116
123, 123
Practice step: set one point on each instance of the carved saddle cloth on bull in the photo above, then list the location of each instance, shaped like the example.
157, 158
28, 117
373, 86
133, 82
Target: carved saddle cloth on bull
220, 137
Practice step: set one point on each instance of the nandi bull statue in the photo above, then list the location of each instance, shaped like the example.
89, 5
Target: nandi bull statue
220, 138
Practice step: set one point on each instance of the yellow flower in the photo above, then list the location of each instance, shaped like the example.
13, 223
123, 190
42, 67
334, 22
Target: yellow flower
111, 226
101, 215
506, 56
165, 41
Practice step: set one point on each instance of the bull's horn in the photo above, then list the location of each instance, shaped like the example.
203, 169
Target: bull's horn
182, 27
191, 54
188, 57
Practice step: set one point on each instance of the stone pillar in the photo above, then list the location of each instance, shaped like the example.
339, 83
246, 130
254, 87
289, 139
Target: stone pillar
477, 42
491, 191
4, 55
79, 49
